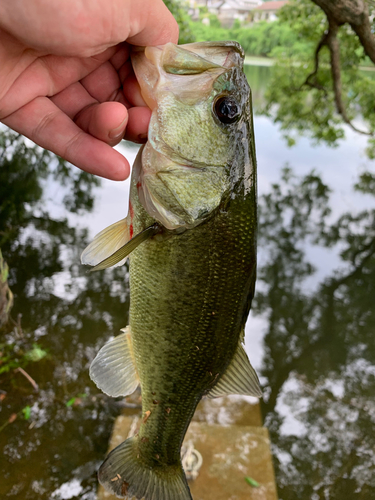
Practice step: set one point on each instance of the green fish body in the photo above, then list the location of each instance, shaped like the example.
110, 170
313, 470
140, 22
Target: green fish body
192, 274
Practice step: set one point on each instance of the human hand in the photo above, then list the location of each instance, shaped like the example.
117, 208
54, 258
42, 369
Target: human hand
66, 80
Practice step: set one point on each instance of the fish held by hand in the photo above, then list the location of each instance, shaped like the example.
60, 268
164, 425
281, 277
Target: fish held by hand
191, 239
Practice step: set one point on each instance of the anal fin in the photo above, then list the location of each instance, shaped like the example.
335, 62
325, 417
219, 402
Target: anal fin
239, 378
113, 369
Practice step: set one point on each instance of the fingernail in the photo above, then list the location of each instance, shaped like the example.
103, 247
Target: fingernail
118, 131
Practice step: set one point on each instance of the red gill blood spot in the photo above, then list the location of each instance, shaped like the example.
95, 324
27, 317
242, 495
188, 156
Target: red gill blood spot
131, 210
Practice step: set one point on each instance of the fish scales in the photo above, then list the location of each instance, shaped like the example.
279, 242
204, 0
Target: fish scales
172, 320
191, 237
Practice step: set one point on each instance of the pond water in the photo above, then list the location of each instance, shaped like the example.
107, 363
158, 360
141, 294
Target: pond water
310, 334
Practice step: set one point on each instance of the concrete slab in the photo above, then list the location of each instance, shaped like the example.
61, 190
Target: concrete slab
229, 410
230, 454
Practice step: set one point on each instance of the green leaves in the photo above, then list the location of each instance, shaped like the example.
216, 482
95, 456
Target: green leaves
258, 40
300, 97
35, 354
180, 14
366, 183
12, 357
75, 400
26, 412
252, 482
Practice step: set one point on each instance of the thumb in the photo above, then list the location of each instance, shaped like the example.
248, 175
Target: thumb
151, 23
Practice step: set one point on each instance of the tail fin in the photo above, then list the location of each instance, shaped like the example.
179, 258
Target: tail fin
123, 474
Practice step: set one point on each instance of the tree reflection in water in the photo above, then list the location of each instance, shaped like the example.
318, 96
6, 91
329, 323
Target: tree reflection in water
57, 441
319, 359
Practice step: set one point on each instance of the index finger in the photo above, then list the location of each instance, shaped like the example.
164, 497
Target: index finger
44, 123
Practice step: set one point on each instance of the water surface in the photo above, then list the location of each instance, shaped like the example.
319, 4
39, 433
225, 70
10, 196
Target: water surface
310, 334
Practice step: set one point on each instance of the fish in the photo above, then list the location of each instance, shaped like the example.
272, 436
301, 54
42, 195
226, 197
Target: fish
190, 235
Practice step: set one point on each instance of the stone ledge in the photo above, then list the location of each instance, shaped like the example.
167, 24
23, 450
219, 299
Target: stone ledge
229, 455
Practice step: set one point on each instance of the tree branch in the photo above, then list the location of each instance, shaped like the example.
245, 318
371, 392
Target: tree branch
355, 13
338, 12
334, 49
315, 84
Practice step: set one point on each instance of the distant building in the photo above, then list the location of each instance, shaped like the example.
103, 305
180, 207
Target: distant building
244, 10
268, 11
226, 10
230, 10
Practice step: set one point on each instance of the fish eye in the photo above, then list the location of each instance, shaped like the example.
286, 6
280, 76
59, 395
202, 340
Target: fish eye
226, 109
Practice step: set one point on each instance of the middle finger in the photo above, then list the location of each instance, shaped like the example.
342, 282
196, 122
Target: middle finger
73, 99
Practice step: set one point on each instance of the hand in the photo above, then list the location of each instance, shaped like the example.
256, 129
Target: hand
66, 80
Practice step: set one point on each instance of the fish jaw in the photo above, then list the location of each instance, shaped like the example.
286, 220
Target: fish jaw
182, 85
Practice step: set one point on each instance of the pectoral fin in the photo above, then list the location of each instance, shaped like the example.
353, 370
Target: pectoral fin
113, 370
240, 378
106, 243
125, 250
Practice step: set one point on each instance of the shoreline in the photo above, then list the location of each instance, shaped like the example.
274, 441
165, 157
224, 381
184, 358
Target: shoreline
268, 62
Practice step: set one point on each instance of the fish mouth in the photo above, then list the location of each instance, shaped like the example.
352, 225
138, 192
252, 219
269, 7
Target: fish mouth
167, 63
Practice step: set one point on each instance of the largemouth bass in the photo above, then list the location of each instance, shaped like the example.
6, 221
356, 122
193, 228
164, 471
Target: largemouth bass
191, 236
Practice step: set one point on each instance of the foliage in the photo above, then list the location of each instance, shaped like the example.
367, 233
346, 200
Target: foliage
75, 400
262, 38
14, 356
26, 412
252, 482
213, 32
305, 105
180, 14
257, 40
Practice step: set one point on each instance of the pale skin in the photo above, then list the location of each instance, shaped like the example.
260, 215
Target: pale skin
66, 80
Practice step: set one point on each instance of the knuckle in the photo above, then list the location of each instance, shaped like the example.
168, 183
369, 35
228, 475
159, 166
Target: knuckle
41, 128
72, 145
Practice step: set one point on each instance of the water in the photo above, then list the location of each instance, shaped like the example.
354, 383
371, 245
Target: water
310, 334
